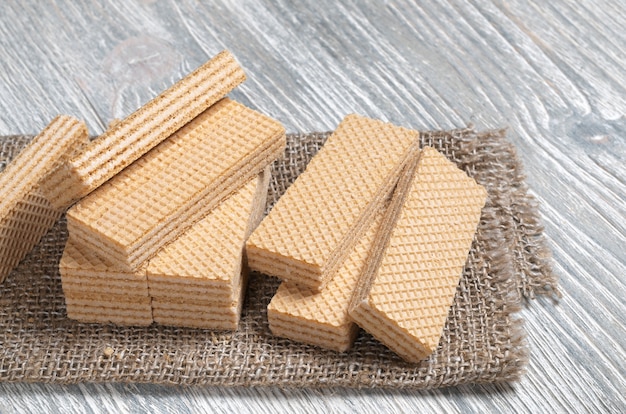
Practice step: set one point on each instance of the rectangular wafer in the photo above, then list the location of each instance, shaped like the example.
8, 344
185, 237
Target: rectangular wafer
202, 271
315, 224
154, 200
108, 301
25, 214
405, 299
145, 128
321, 318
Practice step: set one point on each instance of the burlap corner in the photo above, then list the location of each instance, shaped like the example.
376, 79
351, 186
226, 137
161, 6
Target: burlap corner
483, 340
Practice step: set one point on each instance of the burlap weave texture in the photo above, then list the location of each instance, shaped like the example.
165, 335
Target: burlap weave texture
482, 342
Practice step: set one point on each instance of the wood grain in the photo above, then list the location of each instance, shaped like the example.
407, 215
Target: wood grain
551, 71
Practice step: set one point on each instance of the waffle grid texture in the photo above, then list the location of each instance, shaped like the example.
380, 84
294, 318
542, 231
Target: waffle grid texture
154, 200
405, 301
191, 314
25, 215
508, 261
199, 280
321, 217
130, 138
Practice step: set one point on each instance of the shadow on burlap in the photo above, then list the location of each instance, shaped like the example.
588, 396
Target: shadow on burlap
483, 340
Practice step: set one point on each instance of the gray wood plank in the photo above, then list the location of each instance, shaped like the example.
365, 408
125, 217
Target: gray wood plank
552, 72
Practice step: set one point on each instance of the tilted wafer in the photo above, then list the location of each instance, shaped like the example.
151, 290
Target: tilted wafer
154, 200
211, 251
405, 301
145, 128
314, 225
25, 214
321, 318
204, 267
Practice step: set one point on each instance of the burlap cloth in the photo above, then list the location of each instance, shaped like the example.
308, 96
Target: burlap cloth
483, 340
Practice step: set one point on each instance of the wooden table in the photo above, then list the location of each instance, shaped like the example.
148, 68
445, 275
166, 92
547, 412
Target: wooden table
553, 72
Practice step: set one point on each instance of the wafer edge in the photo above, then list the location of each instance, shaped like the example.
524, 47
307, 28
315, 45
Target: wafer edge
383, 235
337, 338
50, 147
359, 309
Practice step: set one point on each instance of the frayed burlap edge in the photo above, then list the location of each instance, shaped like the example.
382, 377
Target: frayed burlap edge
483, 339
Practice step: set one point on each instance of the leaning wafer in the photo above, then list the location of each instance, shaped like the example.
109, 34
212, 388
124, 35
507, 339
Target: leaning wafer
314, 225
405, 301
25, 214
145, 128
154, 200
197, 280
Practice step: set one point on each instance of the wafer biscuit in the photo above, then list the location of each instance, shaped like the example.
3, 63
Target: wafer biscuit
96, 307
328, 338
211, 251
145, 128
78, 284
321, 318
25, 214
315, 224
108, 308
108, 301
153, 201
162, 285
404, 302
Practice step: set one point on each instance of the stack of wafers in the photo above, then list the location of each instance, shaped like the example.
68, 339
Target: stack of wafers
376, 238
164, 205
160, 205
168, 230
